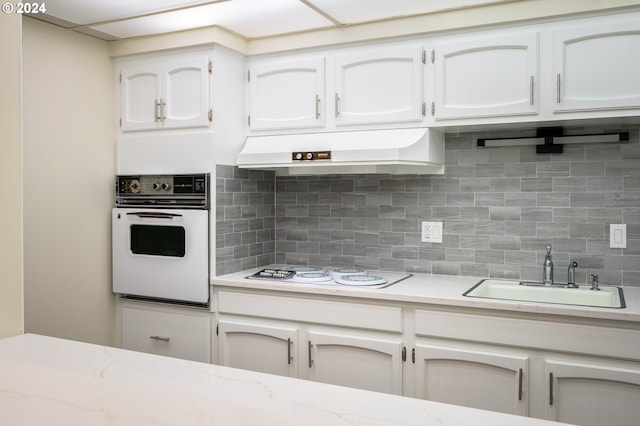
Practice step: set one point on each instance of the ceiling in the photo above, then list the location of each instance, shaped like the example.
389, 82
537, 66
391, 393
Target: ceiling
250, 19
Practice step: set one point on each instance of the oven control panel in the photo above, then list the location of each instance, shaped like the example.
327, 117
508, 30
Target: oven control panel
162, 189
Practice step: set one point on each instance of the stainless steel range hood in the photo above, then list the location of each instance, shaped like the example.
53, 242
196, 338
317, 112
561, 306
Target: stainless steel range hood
395, 151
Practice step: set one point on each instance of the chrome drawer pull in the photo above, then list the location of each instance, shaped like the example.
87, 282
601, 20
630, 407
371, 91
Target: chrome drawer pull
161, 338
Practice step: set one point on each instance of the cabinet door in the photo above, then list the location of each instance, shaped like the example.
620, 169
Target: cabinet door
287, 95
186, 93
486, 77
166, 333
592, 393
380, 87
595, 64
141, 93
477, 378
355, 360
258, 347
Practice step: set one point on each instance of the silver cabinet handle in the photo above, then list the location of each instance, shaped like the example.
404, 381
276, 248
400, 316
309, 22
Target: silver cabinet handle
289, 357
310, 358
155, 215
156, 112
317, 107
531, 84
520, 380
337, 105
161, 338
558, 88
162, 110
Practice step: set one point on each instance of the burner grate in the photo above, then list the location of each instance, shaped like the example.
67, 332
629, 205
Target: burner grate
273, 274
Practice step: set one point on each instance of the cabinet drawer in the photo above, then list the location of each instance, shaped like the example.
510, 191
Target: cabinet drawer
166, 333
577, 338
355, 315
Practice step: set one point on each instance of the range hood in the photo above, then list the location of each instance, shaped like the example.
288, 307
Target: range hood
395, 151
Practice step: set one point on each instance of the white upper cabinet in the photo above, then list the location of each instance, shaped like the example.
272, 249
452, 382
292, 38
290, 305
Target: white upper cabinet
327, 90
596, 63
164, 94
287, 95
379, 87
486, 76
140, 90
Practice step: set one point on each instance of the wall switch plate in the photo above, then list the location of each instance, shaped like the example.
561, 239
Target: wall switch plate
617, 235
431, 232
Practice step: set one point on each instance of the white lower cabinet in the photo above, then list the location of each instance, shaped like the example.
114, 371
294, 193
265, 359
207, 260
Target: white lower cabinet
592, 391
343, 343
167, 331
472, 376
583, 372
338, 356
355, 359
258, 345
575, 373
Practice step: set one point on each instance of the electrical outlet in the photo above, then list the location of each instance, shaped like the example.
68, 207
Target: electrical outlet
431, 232
617, 235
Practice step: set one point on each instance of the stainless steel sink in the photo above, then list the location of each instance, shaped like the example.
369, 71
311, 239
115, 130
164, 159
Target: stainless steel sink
606, 297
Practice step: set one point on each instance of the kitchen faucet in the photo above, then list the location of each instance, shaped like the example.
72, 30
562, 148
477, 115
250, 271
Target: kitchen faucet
571, 275
594, 281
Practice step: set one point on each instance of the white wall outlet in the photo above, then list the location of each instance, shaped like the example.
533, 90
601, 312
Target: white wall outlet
617, 235
431, 232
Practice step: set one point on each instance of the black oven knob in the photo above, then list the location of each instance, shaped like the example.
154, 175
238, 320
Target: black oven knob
166, 186
156, 186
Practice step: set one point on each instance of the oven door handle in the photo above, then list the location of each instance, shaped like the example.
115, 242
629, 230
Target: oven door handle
155, 215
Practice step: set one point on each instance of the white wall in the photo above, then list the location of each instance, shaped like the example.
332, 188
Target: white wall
10, 175
68, 116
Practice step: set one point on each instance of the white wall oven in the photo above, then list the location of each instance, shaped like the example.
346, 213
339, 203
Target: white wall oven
160, 230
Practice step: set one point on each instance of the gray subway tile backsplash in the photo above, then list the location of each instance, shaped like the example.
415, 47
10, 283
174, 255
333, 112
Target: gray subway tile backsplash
500, 208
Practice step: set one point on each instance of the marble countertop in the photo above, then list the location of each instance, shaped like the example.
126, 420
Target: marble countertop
45, 380
438, 290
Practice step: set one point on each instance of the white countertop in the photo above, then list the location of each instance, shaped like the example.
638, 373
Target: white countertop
438, 290
50, 381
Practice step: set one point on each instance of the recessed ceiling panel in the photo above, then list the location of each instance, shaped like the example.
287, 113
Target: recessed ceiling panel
250, 18
356, 11
84, 12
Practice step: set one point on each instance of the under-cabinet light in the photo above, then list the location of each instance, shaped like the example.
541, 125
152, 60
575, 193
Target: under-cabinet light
488, 143
552, 140
603, 138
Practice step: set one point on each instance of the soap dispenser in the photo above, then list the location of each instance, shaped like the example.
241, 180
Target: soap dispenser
547, 268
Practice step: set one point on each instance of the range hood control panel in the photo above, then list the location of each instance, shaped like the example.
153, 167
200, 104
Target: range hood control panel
310, 155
